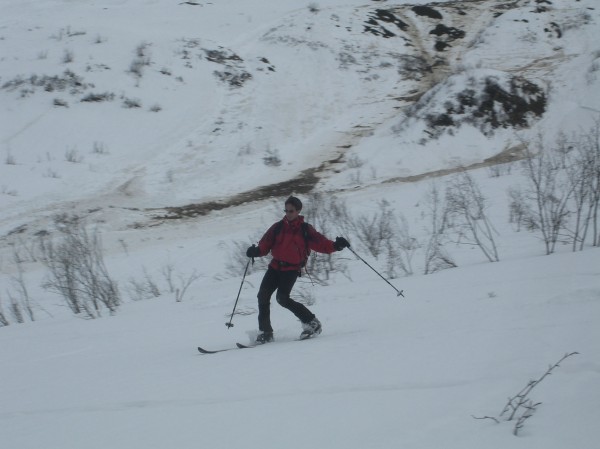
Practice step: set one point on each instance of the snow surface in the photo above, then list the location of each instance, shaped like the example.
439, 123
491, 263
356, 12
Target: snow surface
387, 371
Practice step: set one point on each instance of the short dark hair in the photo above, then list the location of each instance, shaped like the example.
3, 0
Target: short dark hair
294, 202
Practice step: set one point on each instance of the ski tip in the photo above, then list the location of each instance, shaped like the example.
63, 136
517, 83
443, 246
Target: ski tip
206, 351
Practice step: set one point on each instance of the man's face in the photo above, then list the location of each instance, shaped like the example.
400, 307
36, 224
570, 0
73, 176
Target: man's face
290, 212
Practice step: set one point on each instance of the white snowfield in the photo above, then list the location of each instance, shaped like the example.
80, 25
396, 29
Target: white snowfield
120, 112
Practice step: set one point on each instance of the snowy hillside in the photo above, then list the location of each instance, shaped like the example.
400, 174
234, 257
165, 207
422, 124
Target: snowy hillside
176, 129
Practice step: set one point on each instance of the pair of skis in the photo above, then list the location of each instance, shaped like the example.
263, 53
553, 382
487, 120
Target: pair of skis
238, 346
241, 346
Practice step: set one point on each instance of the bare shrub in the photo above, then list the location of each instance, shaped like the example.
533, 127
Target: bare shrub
3, 319
406, 247
15, 310
132, 103
76, 267
98, 97
583, 174
381, 235
10, 159
466, 206
68, 81
184, 283
142, 59
436, 256
271, 158
521, 407
68, 57
543, 203
21, 304
355, 162
144, 289
238, 260
73, 156
99, 148
319, 211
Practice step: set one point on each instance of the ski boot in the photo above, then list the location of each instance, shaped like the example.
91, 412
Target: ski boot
264, 337
311, 328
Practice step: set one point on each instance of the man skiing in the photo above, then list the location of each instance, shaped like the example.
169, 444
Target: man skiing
290, 242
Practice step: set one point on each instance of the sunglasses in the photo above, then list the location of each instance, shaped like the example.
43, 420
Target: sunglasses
289, 211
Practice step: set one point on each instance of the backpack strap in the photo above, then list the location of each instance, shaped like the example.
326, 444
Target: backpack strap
304, 227
277, 229
305, 235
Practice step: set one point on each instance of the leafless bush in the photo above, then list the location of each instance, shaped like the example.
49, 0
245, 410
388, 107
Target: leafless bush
167, 271
520, 407
184, 283
144, 289
583, 174
406, 246
466, 207
320, 211
436, 256
387, 239
561, 198
3, 319
68, 57
15, 310
517, 211
355, 162
544, 200
98, 97
238, 260
376, 231
142, 59
68, 81
99, 148
76, 267
132, 103
73, 156
21, 304
271, 158
10, 159
314, 8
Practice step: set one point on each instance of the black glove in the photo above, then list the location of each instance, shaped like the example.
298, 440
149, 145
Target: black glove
253, 251
340, 243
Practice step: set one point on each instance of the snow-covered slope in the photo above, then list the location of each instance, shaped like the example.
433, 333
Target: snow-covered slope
126, 112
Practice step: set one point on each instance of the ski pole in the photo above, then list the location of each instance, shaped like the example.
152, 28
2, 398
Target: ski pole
230, 324
365, 262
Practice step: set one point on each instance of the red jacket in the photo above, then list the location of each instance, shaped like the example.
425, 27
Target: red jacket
288, 247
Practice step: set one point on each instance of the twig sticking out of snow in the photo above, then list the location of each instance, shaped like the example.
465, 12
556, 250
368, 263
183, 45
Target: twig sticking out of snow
521, 403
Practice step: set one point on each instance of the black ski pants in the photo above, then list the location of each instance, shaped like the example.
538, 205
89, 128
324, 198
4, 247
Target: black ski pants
283, 282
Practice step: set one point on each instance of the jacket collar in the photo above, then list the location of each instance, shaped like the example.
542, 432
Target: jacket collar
294, 224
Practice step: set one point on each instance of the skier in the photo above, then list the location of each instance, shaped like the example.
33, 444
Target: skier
289, 241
